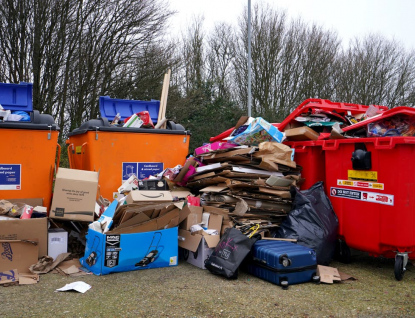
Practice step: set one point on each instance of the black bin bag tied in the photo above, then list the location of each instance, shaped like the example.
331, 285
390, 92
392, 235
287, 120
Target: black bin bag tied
231, 250
312, 222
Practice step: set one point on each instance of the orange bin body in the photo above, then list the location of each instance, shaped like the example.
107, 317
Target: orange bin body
31, 159
117, 152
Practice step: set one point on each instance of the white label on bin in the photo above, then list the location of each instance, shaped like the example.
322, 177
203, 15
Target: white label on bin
361, 184
141, 170
374, 197
10, 177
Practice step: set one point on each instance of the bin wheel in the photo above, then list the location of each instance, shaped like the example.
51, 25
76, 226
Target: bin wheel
343, 253
399, 269
185, 254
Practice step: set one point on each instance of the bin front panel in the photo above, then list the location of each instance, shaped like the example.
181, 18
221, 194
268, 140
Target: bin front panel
28, 165
376, 206
310, 157
112, 154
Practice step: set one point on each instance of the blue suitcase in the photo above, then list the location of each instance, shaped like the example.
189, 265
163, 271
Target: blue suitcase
282, 263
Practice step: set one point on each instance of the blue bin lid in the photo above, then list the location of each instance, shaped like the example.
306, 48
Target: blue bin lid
109, 107
16, 96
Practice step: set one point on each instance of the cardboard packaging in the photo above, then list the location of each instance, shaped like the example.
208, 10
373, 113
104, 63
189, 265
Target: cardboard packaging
301, 134
129, 185
200, 244
218, 145
57, 242
74, 195
138, 196
27, 229
18, 254
110, 253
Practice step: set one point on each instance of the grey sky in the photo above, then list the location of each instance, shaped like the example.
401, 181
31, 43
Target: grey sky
394, 19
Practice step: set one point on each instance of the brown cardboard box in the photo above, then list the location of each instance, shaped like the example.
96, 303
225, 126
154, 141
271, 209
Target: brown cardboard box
137, 196
191, 240
301, 134
27, 229
18, 254
74, 195
200, 243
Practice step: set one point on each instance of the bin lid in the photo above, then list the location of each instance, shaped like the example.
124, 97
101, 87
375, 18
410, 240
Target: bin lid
109, 107
103, 125
327, 106
37, 122
400, 110
16, 96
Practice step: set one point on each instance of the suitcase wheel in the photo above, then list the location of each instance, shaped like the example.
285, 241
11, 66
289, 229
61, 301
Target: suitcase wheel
316, 279
284, 284
284, 260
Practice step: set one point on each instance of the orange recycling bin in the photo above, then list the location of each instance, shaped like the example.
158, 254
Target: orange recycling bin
118, 152
30, 148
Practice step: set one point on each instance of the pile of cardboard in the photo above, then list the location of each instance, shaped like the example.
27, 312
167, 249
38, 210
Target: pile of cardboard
251, 183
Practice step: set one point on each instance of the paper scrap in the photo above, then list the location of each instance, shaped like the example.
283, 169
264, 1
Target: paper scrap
77, 286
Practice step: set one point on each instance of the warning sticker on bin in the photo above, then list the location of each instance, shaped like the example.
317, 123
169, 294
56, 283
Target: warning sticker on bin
10, 177
362, 175
360, 184
373, 197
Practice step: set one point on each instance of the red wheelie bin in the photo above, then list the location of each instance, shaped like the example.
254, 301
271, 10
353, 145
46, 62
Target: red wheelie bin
309, 154
371, 184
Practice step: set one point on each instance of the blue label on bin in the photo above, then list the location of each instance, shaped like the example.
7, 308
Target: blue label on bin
146, 169
10, 177
141, 170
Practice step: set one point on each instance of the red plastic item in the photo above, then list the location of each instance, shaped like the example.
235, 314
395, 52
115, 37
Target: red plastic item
400, 110
375, 206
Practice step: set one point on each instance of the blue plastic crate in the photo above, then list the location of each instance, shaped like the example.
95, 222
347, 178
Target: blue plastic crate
109, 107
16, 96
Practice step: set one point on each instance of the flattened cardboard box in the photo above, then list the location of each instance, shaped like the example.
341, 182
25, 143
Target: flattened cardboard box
27, 229
18, 254
169, 216
74, 195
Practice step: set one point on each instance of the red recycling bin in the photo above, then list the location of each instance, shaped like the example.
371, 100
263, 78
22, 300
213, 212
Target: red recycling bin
371, 184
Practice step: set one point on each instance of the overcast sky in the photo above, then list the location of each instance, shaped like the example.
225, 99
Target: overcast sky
394, 19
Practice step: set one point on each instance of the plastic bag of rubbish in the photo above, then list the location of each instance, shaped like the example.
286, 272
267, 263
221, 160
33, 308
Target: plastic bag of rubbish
312, 222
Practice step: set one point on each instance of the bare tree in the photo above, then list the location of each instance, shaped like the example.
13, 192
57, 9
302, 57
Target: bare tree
376, 71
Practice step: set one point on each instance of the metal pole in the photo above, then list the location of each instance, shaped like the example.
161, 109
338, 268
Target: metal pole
249, 59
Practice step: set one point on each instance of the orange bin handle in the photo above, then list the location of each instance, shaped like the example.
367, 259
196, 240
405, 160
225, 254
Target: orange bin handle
70, 154
82, 154
59, 157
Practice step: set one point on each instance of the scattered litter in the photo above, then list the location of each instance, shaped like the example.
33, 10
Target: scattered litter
77, 286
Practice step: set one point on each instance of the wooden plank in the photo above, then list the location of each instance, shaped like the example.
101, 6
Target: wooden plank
163, 99
279, 239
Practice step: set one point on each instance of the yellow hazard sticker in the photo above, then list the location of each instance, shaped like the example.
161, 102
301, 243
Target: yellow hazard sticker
362, 175
78, 149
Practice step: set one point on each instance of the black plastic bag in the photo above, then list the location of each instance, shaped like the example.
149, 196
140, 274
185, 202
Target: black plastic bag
312, 222
231, 250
